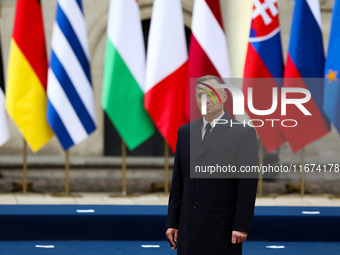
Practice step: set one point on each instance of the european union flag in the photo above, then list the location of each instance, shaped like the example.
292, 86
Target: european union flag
331, 100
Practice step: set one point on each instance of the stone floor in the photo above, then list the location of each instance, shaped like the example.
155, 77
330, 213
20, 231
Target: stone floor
155, 199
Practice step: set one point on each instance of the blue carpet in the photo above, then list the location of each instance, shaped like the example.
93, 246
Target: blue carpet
288, 223
134, 247
133, 223
63, 222
292, 248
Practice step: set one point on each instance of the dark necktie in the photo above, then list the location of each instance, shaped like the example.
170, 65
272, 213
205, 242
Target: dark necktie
207, 132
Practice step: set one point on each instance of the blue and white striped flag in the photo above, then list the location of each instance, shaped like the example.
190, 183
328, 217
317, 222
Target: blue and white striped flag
71, 108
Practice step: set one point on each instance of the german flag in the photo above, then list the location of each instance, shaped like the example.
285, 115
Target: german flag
26, 99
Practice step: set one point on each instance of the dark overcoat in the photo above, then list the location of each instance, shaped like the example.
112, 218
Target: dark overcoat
206, 211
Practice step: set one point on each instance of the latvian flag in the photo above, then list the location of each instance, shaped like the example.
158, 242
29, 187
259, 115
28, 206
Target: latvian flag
27, 75
305, 59
208, 52
264, 60
166, 69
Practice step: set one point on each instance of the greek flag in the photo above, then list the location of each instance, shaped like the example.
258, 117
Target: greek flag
71, 108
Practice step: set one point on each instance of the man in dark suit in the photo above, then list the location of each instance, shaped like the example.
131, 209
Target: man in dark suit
209, 215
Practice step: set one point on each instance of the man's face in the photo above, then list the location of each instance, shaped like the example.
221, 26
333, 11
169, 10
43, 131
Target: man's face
211, 107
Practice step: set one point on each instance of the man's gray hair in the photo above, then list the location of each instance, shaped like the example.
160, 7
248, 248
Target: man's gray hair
210, 77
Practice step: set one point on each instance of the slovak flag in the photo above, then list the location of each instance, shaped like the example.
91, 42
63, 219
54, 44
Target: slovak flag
264, 60
305, 59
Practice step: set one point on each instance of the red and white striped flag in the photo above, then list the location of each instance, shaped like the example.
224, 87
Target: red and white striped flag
166, 69
208, 51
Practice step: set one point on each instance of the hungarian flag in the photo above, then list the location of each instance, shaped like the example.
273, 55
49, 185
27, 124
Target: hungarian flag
208, 53
331, 102
166, 69
124, 74
305, 59
264, 60
27, 75
4, 131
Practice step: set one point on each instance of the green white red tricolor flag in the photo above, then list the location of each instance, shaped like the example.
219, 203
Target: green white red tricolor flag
124, 70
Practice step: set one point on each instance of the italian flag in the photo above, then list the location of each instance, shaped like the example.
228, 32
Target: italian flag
124, 70
166, 71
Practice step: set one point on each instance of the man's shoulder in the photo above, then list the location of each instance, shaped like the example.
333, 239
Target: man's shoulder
236, 125
183, 129
187, 127
240, 127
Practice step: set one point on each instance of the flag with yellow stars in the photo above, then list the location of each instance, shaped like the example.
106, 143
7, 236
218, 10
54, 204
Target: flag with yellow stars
331, 102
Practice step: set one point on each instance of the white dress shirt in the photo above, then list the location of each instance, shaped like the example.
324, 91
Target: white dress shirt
205, 122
